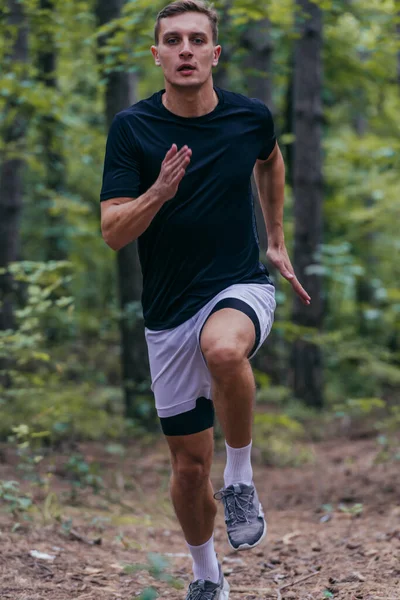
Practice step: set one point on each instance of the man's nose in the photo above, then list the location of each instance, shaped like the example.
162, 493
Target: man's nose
186, 49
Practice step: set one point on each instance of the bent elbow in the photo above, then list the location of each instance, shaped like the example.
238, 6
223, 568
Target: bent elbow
108, 237
112, 245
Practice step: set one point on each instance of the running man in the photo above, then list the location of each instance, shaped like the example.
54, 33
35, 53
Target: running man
177, 178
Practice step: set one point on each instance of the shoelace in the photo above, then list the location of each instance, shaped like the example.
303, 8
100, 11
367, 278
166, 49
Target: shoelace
238, 505
197, 591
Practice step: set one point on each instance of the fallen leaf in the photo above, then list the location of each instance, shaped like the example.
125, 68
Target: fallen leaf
91, 571
352, 577
371, 552
81, 538
287, 539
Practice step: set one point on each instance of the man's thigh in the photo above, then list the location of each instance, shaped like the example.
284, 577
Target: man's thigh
228, 329
240, 318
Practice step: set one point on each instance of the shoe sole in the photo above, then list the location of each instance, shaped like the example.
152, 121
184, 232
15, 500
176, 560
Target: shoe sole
249, 546
224, 595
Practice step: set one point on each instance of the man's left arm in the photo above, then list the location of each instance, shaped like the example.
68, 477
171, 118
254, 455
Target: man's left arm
269, 175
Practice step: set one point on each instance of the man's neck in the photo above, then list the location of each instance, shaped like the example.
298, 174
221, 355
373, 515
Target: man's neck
190, 103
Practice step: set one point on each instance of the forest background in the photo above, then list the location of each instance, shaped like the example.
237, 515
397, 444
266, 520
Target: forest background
330, 72
73, 365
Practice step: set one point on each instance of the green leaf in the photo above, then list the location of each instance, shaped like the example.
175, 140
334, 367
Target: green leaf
148, 594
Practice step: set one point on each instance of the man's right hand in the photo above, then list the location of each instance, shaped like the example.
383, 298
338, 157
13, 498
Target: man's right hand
173, 168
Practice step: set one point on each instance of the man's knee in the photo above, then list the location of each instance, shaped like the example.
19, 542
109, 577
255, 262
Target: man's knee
223, 357
191, 474
191, 458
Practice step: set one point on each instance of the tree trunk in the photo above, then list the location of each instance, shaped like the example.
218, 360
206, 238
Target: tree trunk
221, 73
258, 61
258, 84
11, 170
257, 65
308, 195
398, 51
120, 94
289, 125
51, 137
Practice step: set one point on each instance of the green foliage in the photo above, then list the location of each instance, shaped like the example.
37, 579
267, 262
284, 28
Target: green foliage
389, 442
44, 394
148, 594
81, 474
354, 510
29, 451
275, 394
156, 567
66, 411
358, 407
25, 359
14, 501
278, 438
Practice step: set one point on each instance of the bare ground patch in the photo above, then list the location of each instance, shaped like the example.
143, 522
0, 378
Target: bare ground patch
319, 545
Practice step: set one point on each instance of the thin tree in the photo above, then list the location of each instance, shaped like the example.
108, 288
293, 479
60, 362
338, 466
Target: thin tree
51, 134
256, 40
398, 51
120, 94
11, 161
221, 74
257, 69
308, 197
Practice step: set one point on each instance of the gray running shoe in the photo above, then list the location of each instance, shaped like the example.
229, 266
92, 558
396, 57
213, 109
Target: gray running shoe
201, 589
244, 515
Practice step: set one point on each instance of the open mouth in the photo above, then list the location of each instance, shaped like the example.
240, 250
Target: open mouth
186, 68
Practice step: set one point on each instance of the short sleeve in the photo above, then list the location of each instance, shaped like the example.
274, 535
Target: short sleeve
267, 133
121, 174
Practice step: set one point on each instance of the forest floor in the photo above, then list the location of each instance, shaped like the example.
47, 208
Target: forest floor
333, 531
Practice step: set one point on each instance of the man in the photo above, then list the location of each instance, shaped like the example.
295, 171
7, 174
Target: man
177, 178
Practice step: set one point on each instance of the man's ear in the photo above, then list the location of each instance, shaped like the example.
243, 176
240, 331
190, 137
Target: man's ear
217, 54
154, 51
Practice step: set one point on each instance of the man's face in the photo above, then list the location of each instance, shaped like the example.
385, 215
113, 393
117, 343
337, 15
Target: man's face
185, 51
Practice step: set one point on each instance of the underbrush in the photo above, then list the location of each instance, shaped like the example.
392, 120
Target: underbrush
285, 429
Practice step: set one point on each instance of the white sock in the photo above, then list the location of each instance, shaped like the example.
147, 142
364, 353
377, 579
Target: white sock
238, 465
205, 563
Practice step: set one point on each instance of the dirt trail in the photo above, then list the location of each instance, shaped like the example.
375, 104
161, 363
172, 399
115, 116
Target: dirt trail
313, 551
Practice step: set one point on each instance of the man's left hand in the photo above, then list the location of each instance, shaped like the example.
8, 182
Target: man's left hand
280, 259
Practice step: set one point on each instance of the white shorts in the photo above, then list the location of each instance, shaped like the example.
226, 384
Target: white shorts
178, 370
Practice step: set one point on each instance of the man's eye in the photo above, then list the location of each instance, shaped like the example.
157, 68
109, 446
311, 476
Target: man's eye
171, 41
198, 41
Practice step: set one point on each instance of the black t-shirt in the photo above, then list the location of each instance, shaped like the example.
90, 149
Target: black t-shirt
205, 238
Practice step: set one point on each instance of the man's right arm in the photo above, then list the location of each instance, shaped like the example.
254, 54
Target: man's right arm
123, 220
